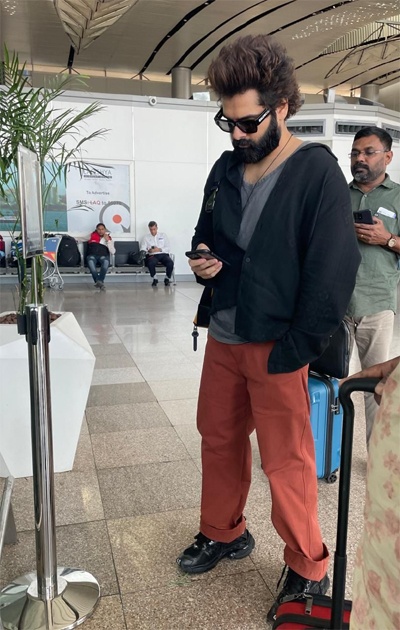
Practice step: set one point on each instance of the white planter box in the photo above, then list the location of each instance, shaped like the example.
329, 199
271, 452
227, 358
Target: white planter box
71, 370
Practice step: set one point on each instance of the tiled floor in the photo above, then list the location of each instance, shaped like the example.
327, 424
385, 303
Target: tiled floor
131, 503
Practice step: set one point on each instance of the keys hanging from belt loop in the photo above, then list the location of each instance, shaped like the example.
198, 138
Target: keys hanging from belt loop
195, 334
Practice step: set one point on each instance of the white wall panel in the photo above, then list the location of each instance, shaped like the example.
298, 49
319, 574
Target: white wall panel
341, 147
168, 135
117, 143
218, 141
170, 194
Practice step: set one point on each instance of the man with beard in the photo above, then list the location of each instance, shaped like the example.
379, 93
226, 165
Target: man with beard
278, 211
370, 314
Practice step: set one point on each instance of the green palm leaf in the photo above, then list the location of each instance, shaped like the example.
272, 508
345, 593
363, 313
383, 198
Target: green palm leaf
31, 117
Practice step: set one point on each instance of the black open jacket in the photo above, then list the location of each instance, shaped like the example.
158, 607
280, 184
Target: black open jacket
294, 282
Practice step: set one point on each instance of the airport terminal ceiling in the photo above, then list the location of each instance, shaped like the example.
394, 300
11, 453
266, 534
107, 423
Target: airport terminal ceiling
342, 45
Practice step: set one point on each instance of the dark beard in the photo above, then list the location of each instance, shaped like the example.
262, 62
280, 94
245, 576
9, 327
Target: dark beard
367, 174
250, 152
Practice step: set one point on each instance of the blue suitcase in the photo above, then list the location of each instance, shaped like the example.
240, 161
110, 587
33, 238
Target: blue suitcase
326, 422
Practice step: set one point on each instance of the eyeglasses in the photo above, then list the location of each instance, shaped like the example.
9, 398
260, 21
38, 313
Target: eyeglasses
368, 153
247, 125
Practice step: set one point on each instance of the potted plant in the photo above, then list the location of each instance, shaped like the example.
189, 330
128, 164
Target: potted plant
31, 117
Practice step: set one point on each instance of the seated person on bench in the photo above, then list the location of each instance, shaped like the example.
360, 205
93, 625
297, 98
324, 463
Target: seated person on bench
156, 244
99, 248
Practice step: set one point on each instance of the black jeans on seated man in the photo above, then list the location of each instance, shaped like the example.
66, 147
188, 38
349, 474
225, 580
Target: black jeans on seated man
164, 259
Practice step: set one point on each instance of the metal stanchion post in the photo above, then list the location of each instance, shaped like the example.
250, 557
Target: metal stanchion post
53, 598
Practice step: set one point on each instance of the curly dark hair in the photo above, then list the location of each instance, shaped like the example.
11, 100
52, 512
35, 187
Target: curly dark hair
256, 62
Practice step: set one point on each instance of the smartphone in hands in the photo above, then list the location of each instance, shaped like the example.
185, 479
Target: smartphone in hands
363, 216
195, 254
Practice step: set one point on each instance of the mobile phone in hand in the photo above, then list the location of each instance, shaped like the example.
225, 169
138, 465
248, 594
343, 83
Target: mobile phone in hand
207, 254
363, 216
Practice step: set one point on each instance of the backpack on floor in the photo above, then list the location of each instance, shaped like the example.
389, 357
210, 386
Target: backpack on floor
68, 253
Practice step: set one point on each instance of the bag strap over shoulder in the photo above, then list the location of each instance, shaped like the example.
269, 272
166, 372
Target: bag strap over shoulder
202, 317
220, 173
222, 163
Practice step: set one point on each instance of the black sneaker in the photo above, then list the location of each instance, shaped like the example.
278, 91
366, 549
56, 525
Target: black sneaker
205, 554
154, 283
295, 584
167, 282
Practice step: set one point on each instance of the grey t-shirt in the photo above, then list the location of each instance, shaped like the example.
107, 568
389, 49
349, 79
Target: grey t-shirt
254, 198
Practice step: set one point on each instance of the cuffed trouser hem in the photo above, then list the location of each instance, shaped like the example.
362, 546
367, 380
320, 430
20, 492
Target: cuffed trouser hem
223, 535
309, 569
237, 394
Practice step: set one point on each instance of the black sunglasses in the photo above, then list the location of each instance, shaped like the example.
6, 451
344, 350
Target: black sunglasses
247, 125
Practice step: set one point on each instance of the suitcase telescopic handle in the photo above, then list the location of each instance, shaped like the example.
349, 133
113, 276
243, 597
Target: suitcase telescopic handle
355, 385
339, 570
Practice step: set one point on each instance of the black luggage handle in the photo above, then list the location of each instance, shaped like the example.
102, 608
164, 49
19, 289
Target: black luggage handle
340, 563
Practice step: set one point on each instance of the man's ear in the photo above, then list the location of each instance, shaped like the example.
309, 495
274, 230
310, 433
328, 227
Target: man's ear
282, 110
388, 157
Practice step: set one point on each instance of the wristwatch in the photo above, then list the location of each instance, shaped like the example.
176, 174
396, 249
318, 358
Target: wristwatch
392, 241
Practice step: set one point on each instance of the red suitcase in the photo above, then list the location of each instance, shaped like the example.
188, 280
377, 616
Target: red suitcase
320, 611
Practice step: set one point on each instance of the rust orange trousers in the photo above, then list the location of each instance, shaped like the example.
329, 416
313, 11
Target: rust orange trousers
237, 395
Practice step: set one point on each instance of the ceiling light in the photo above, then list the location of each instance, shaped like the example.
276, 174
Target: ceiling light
9, 6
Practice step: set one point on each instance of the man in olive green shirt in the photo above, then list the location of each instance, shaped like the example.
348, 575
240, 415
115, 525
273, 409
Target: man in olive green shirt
370, 313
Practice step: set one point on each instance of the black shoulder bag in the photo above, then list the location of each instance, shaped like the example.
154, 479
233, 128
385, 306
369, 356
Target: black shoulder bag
335, 359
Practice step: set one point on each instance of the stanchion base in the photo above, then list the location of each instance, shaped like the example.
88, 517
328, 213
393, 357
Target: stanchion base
21, 609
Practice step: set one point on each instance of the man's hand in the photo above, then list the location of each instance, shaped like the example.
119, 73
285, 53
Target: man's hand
380, 370
206, 269
375, 234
